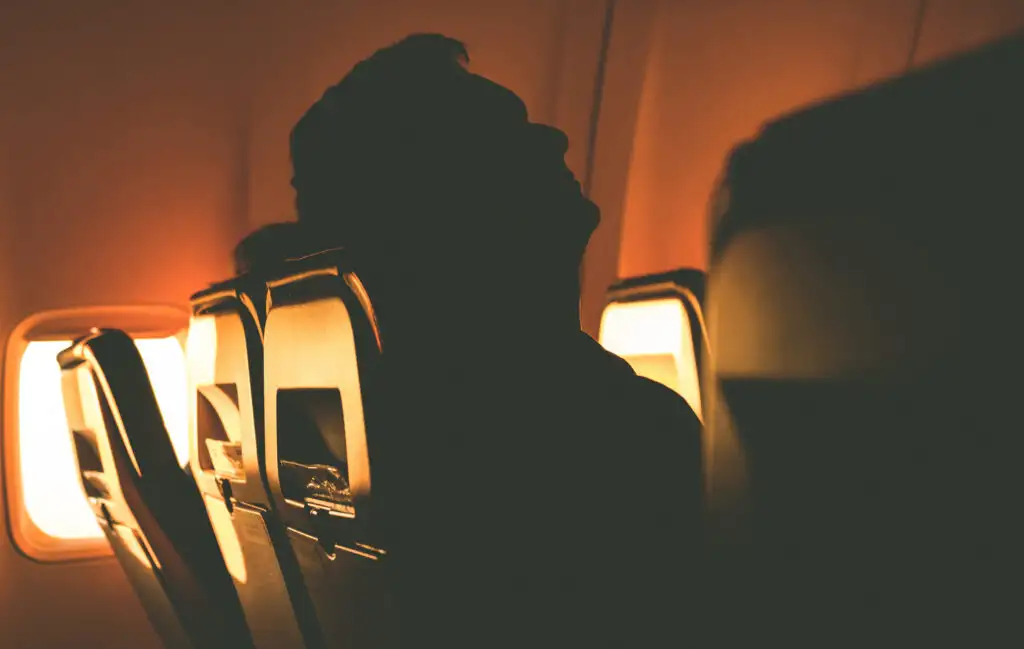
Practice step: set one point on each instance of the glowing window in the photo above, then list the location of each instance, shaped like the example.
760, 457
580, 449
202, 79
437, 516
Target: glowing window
655, 338
51, 489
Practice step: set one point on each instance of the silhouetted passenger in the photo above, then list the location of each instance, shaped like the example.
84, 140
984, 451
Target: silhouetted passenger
542, 494
270, 243
264, 247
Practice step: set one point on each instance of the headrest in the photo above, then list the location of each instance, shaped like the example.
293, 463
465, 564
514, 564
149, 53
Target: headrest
895, 156
866, 234
314, 275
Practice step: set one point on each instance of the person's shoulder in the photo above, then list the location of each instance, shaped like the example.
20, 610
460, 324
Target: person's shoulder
651, 401
601, 357
665, 421
666, 401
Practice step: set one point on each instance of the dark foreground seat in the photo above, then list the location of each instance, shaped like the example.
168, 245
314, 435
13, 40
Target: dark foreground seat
862, 316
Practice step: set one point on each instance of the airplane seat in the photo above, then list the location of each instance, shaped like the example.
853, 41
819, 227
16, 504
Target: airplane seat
655, 323
860, 309
225, 357
146, 505
322, 348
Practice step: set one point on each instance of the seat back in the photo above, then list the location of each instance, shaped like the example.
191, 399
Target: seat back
864, 342
225, 356
147, 506
321, 351
656, 323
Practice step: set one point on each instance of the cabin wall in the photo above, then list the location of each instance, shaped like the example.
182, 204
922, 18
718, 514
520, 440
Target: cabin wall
139, 140
122, 159
717, 70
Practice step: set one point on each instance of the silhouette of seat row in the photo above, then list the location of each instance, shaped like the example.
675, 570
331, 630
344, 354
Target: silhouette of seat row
276, 531
280, 452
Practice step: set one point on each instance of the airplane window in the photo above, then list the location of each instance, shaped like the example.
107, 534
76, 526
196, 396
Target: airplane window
654, 337
50, 485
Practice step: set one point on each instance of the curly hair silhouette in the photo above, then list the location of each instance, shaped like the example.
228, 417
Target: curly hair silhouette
411, 162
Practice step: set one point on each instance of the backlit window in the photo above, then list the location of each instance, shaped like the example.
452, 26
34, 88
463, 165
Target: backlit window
655, 338
50, 485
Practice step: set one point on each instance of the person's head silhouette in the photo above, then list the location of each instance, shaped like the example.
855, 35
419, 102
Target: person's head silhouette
271, 243
423, 169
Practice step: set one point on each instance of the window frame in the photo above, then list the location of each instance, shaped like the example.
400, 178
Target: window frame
152, 321
668, 286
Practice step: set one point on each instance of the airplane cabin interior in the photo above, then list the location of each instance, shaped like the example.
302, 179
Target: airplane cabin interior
808, 233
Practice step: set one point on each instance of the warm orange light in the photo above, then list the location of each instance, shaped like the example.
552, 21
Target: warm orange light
131, 541
227, 539
655, 338
201, 352
50, 485
202, 349
165, 363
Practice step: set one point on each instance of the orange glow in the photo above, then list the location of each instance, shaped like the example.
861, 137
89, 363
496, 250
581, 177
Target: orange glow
50, 484
654, 337
131, 541
202, 349
201, 354
227, 539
